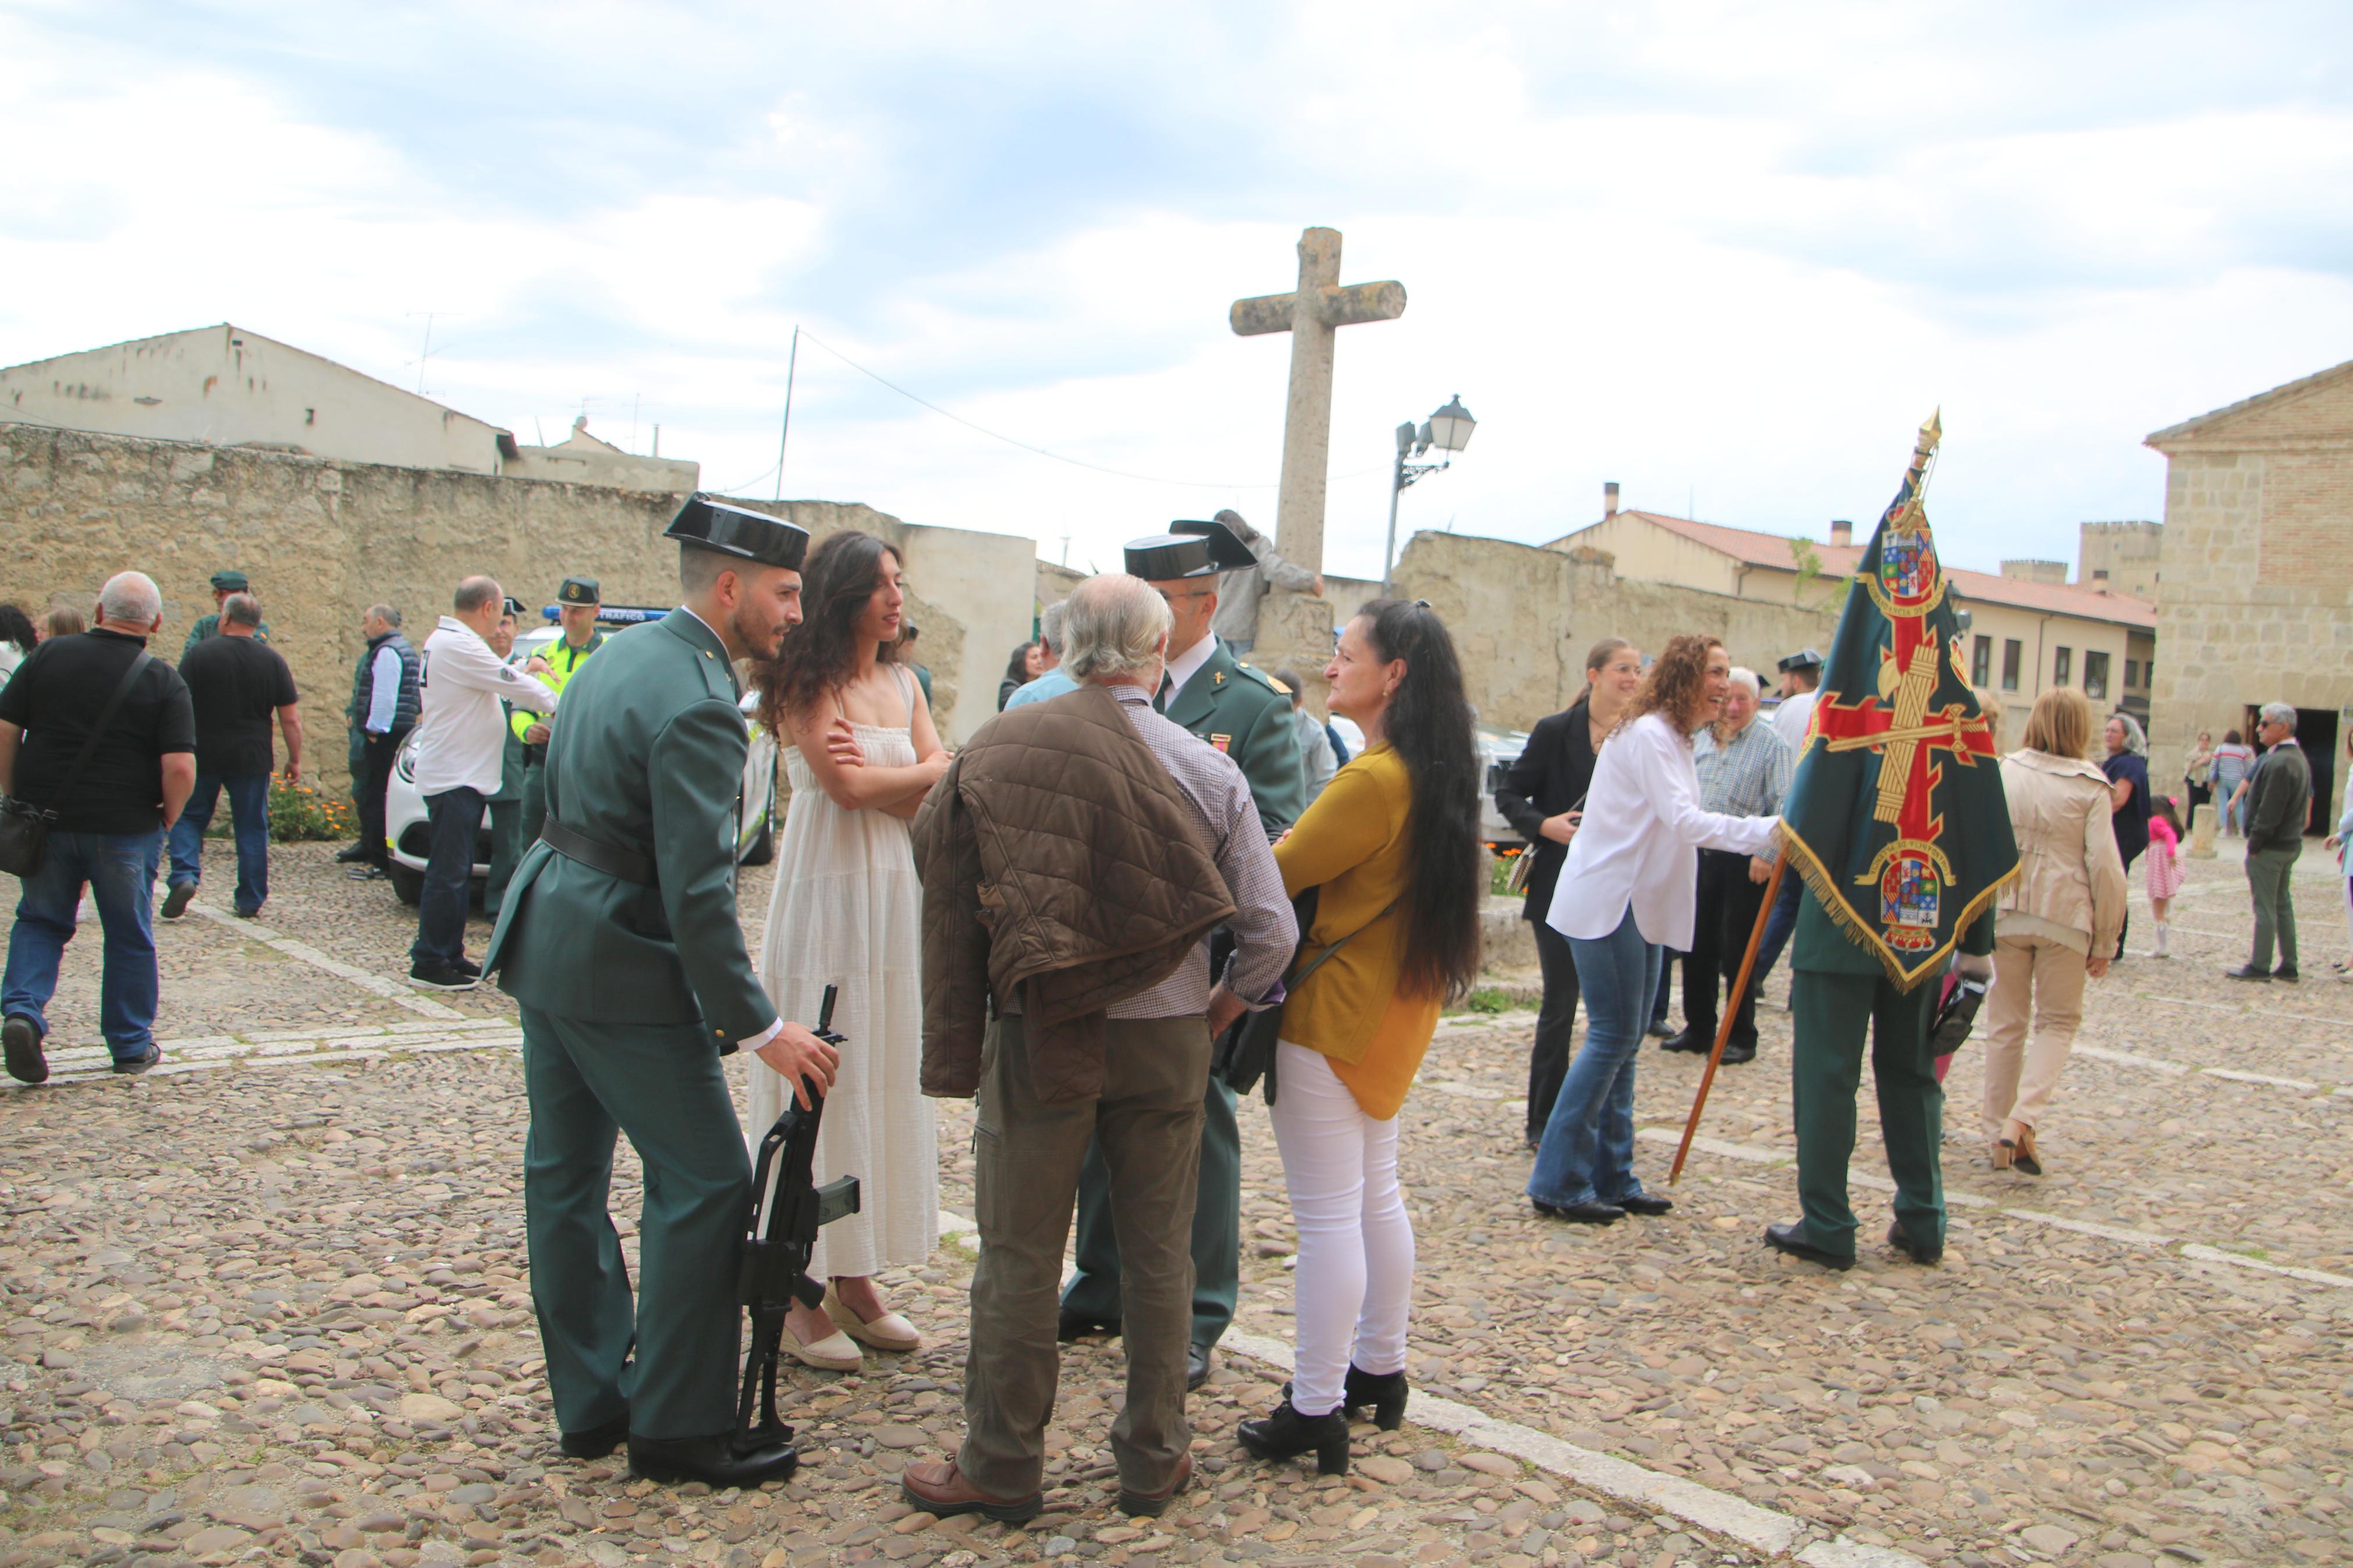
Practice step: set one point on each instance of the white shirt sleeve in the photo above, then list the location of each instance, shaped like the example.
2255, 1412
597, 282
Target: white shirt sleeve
468, 662
383, 690
763, 1038
1668, 781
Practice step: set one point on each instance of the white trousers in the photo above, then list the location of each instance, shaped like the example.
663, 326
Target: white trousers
1354, 1290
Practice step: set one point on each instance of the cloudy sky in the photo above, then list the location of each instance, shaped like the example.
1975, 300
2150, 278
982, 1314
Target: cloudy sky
1727, 254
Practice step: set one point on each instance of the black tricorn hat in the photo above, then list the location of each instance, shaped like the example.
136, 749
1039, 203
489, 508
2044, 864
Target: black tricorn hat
1167, 556
1228, 551
1804, 658
738, 531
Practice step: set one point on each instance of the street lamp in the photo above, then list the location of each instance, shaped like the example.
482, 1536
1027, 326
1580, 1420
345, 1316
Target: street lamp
1448, 431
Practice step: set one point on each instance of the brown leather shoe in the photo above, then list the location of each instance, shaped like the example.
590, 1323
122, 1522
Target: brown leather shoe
939, 1489
1152, 1505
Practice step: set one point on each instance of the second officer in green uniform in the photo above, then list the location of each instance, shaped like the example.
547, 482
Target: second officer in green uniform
1245, 713
576, 603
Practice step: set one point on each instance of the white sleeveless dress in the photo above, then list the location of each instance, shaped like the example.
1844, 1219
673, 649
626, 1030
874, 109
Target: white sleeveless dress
847, 912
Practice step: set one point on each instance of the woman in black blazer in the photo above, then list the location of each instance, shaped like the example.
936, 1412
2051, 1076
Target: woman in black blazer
1542, 797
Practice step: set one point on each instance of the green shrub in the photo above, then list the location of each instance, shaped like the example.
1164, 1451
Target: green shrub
300, 811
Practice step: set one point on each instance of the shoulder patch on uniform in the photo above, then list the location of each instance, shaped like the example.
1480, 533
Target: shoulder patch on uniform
1263, 678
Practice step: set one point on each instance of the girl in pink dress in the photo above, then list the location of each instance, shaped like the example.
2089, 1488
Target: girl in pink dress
2164, 864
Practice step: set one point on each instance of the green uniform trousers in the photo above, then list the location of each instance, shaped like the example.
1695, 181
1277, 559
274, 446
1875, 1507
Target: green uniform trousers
506, 849
1217, 1245
663, 1086
2271, 879
1830, 1014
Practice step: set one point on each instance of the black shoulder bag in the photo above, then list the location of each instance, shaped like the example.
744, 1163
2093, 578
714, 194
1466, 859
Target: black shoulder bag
24, 826
1245, 1052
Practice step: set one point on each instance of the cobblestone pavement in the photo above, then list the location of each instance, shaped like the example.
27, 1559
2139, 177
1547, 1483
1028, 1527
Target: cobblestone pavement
272, 1306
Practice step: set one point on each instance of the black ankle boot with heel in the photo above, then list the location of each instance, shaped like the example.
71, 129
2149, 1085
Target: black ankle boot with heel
1286, 1433
1383, 1392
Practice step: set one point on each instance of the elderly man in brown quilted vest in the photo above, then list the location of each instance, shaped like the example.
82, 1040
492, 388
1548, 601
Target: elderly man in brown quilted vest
1075, 858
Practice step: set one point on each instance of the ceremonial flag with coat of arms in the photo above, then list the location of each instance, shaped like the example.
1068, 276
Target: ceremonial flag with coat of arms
1896, 817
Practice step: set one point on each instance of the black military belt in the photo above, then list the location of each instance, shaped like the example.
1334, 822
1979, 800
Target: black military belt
570, 842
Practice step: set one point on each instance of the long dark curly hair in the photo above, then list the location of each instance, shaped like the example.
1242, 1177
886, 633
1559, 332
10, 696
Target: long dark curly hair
1429, 725
1673, 684
17, 626
818, 656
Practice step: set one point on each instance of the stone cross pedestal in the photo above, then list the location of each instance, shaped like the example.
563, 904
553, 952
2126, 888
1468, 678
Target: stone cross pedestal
1311, 313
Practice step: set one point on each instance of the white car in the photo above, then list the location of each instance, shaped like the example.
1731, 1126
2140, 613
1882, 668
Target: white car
405, 825
1498, 750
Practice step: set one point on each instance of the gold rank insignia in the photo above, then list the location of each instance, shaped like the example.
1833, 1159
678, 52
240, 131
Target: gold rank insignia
1221, 741
1217, 678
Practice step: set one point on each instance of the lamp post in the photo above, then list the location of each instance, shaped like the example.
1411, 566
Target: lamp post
1448, 431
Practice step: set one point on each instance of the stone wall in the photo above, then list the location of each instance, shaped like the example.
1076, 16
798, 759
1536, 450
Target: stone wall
2257, 604
1523, 615
323, 540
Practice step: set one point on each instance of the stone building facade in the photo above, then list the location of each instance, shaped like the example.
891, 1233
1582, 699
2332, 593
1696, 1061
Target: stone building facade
2257, 604
323, 540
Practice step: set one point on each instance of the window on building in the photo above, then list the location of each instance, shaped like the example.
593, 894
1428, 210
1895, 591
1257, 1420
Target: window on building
2149, 673
2132, 674
2062, 666
2095, 673
2013, 653
1981, 662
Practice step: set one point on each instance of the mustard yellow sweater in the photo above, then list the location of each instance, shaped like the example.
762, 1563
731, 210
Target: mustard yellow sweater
1351, 843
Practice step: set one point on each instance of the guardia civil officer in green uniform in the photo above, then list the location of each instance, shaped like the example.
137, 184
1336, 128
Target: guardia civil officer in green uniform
576, 603
224, 584
620, 940
1245, 713
1897, 822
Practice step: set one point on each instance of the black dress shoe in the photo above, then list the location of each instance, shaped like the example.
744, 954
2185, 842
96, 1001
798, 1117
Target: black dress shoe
1901, 1240
1739, 1051
355, 855
2286, 972
1659, 1028
1197, 1366
712, 1460
1793, 1240
1583, 1213
2247, 972
1070, 1325
1644, 1203
23, 1040
595, 1442
1286, 1433
1690, 1040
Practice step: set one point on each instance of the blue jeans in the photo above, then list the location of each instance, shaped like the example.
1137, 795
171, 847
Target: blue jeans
1587, 1152
456, 819
248, 811
120, 870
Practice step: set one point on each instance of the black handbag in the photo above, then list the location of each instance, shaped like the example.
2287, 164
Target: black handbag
1245, 1053
24, 826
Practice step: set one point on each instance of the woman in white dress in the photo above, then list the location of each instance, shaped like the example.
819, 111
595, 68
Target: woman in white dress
859, 754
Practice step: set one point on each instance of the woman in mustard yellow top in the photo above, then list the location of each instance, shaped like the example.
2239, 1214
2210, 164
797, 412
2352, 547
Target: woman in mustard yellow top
1391, 845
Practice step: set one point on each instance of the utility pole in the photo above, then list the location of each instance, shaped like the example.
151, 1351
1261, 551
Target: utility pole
791, 362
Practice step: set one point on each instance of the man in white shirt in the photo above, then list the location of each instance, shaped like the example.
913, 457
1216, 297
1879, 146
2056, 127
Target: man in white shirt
1801, 673
461, 748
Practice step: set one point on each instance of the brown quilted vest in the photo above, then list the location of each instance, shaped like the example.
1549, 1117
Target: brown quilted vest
1061, 867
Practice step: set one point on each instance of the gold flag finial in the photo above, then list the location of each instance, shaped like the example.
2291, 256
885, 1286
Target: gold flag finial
1907, 511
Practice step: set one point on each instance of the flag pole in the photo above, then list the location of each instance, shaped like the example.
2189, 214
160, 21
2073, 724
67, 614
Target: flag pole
1731, 1011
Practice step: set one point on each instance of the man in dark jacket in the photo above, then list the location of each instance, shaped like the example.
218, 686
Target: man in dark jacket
1103, 1010
107, 816
2279, 800
238, 684
386, 697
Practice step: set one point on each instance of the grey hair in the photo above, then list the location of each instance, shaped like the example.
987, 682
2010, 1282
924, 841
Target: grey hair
1050, 626
132, 599
1742, 676
385, 614
1117, 624
474, 593
2279, 713
242, 609
2136, 738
